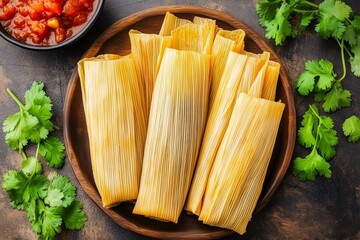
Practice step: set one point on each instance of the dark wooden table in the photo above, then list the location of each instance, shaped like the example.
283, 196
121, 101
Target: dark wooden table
323, 209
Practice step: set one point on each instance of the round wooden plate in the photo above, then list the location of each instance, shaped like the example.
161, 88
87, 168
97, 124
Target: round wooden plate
115, 40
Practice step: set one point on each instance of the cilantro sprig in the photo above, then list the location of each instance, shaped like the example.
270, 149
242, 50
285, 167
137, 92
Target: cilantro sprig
316, 132
32, 123
49, 201
320, 79
335, 20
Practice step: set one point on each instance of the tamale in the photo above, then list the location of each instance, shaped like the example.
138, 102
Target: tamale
116, 124
238, 173
177, 120
270, 81
254, 64
224, 42
170, 23
147, 50
218, 119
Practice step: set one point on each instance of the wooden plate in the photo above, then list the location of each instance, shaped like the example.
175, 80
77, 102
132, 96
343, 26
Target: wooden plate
115, 40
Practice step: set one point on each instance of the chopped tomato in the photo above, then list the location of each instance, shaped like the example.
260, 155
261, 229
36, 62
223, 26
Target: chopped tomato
44, 21
38, 28
3, 3
34, 15
53, 6
19, 21
38, 6
80, 19
70, 9
23, 10
8, 12
22, 35
60, 34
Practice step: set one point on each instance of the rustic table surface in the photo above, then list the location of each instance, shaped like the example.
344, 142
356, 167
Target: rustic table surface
323, 209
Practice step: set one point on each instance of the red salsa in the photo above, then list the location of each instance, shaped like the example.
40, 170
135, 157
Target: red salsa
44, 22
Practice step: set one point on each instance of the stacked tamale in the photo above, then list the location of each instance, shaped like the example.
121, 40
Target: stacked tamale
188, 120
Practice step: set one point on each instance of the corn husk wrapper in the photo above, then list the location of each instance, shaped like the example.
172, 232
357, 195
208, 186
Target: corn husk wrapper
176, 124
238, 173
116, 123
147, 51
216, 126
271, 80
254, 72
170, 23
224, 42
193, 37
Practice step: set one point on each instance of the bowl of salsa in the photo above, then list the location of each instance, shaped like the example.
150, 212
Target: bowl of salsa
47, 24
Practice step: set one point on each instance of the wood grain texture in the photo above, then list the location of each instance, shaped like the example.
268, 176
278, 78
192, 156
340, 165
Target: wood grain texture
115, 40
323, 209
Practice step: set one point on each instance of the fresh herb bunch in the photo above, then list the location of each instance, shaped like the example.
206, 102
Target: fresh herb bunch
334, 19
49, 201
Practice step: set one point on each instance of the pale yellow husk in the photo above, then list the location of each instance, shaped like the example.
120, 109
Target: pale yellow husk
216, 126
147, 50
254, 72
237, 176
271, 80
115, 118
176, 123
224, 42
198, 36
170, 23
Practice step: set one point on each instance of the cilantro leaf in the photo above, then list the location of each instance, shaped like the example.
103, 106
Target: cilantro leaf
266, 9
54, 197
351, 34
45, 220
31, 165
14, 185
53, 151
51, 222
39, 105
336, 98
34, 212
307, 131
305, 83
36, 188
36, 96
331, 18
21, 188
312, 165
12, 180
280, 26
63, 184
306, 19
355, 65
318, 75
73, 216
17, 129
340, 10
351, 128
327, 138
